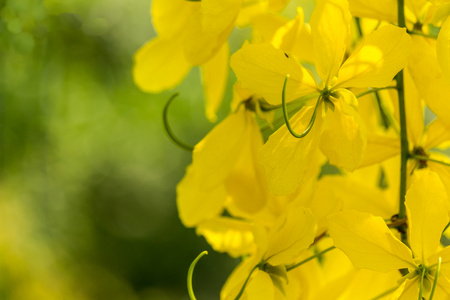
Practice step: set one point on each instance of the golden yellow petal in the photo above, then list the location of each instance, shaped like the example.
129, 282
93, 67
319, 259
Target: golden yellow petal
262, 69
427, 209
160, 65
215, 78
289, 161
376, 61
330, 27
368, 242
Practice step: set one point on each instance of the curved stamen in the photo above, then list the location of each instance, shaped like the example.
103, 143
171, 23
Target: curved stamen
168, 129
191, 272
286, 117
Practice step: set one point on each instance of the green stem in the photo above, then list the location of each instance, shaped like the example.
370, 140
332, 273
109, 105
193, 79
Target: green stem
370, 91
286, 117
403, 134
191, 272
420, 157
168, 129
245, 283
309, 258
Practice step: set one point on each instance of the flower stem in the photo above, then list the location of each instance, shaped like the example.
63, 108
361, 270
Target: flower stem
403, 133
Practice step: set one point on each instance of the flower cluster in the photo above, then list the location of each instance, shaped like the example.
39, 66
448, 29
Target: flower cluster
326, 178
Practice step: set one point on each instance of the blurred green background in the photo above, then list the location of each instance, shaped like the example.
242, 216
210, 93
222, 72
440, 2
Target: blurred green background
87, 175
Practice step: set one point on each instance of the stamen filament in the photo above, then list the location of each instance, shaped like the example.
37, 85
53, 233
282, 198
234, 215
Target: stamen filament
286, 117
191, 272
168, 129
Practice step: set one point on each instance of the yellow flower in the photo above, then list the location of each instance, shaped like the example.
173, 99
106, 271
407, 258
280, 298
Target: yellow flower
369, 243
281, 245
338, 131
223, 166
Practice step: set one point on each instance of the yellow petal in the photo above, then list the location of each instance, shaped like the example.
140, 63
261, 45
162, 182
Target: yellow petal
170, 16
292, 38
441, 170
356, 196
330, 26
286, 36
380, 56
290, 235
427, 209
160, 65
261, 287
277, 5
428, 77
368, 242
196, 204
215, 78
385, 10
379, 148
343, 139
437, 133
325, 203
442, 288
262, 69
250, 11
414, 110
208, 29
441, 13
444, 254
228, 235
237, 278
289, 161
265, 26
443, 49
201, 194
408, 290
246, 183
216, 155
